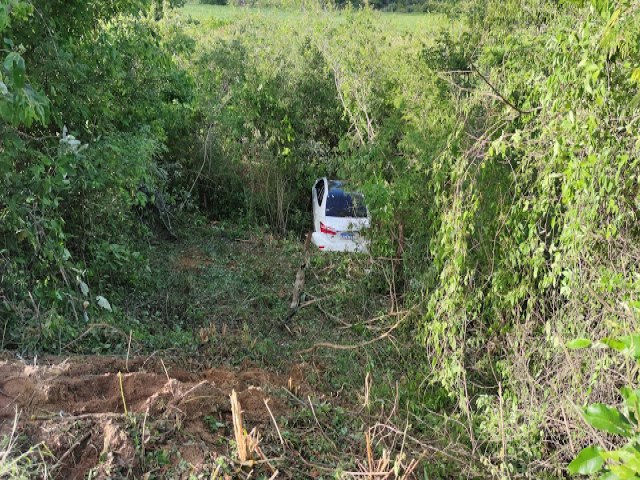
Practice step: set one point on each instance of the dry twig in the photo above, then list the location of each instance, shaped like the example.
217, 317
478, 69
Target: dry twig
266, 404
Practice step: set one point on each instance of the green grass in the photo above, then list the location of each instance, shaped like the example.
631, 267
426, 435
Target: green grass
418, 24
222, 293
228, 13
234, 282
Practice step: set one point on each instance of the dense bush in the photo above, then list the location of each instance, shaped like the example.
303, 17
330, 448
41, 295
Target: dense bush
100, 114
272, 123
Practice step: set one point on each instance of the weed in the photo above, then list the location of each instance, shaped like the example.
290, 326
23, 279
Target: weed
214, 424
18, 464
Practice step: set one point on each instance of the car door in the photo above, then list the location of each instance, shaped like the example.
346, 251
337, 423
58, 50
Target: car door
318, 195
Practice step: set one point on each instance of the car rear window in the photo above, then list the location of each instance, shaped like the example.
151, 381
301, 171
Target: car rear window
345, 204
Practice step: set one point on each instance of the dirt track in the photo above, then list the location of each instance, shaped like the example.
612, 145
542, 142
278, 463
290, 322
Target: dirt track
76, 407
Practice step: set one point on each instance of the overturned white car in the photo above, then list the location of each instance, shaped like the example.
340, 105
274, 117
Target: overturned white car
339, 216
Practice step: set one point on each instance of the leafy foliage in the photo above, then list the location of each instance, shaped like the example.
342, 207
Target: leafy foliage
69, 201
618, 463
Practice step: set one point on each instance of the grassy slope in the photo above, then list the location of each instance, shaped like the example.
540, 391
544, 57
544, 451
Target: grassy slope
223, 291
217, 296
230, 287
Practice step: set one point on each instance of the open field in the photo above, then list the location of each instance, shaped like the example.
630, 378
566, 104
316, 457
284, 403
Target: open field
420, 24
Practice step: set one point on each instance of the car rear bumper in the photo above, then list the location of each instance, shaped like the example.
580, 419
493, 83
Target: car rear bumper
335, 243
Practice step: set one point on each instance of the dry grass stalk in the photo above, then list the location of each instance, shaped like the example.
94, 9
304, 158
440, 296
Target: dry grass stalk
246, 443
5, 454
385, 467
266, 404
124, 400
380, 466
367, 390
13, 463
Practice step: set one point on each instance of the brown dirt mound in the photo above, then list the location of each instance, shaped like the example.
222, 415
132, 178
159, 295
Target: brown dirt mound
76, 407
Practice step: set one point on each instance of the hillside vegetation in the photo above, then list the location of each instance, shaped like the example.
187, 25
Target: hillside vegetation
497, 144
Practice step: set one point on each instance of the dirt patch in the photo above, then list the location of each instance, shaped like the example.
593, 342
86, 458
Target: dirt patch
193, 259
76, 407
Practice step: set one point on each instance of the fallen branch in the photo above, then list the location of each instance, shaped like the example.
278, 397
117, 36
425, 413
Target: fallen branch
376, 319
358, 345
266, 460
94, 326
334, 317
185, 394
266, 404
294, 397
74, 418
70, 451
312, 301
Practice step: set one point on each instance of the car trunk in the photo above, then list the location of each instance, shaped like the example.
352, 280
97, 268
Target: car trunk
347, 228
346, 224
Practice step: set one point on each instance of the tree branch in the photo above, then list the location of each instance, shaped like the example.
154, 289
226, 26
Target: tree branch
498, 95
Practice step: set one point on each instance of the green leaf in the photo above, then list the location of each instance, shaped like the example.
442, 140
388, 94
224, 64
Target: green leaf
608, 476
607, 419
632, 344
628, 345
623, 472
587, 462
631, 398
579, 343
14, 64
614, 343
84, 288
628, 456
4, 17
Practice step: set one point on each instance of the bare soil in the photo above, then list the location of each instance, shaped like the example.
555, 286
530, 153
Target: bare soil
177, 416
193, 259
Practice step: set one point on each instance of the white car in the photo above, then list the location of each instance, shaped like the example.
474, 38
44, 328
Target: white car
339, 216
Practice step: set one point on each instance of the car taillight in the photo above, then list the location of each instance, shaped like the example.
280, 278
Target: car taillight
327, 229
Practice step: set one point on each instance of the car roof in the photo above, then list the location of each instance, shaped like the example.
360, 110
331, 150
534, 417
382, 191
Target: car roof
336, 185
339, 186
